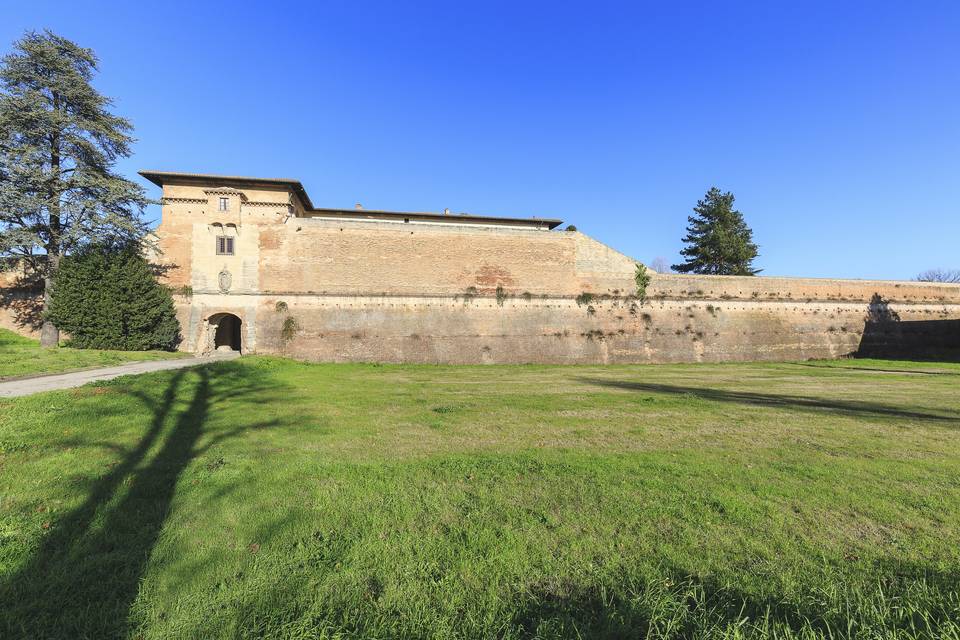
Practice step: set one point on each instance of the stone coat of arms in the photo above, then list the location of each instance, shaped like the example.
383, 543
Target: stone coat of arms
224, 279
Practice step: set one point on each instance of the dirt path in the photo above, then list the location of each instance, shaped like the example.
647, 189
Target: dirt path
52, 382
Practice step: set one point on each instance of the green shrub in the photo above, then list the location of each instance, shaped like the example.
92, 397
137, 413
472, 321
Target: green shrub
107, 297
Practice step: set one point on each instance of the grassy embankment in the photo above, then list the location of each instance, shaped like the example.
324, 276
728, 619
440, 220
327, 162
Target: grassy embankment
268, 498
20, 356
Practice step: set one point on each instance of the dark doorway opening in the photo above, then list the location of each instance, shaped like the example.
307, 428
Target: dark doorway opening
227, 336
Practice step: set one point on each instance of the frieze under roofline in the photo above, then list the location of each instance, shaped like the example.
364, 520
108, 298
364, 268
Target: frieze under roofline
248, 203
166, 200
227, 191
260, 203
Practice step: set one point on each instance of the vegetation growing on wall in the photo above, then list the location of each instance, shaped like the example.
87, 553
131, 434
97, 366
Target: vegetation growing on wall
280, 307
585, 298
289, 329
106, 297
642, 278
501, 296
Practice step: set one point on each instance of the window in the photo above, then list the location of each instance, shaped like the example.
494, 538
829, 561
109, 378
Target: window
224, 204
224, 246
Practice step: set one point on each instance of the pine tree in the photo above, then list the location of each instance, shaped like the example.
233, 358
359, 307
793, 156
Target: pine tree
107, 297
58, 145
719, 240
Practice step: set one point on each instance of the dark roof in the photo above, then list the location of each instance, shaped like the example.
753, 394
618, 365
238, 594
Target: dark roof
374, 214
160, 177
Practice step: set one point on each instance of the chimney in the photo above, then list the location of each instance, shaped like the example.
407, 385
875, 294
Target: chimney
446, 212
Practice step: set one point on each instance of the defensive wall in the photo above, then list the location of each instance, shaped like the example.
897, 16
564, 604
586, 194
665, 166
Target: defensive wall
684, 319
357, 285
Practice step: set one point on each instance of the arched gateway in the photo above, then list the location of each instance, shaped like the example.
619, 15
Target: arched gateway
224, 332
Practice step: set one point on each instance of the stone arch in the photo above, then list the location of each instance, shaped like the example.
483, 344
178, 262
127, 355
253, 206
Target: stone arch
224, 332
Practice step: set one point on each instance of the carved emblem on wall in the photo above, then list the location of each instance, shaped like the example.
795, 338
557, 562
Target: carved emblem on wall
224, 279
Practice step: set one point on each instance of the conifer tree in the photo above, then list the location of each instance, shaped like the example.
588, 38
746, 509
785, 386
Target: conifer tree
719, 242
107, 297
58, 145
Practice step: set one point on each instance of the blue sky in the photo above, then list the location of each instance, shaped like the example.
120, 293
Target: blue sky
835, 124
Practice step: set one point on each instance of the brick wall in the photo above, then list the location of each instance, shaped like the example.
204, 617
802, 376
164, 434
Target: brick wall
427, 292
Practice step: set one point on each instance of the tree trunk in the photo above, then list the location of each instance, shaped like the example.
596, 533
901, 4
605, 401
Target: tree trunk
49, 333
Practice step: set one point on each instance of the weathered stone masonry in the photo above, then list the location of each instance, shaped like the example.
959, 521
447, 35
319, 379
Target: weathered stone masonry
395, 287
357, 285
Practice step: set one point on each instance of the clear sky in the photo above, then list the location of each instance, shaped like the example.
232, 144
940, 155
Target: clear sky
835, 124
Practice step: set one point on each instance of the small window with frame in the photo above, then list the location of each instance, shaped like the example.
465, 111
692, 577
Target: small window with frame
224, 204
224, 246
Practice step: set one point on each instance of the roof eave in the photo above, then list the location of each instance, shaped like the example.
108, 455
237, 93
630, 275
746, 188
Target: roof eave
160, 178
453, 218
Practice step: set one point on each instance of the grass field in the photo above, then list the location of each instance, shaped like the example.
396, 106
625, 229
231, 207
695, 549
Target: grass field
268, 498
21, 356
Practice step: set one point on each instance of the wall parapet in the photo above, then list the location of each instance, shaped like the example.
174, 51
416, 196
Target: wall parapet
679, 286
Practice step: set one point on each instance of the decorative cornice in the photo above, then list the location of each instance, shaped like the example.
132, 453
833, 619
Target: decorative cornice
183, 201
259, 203
227, 191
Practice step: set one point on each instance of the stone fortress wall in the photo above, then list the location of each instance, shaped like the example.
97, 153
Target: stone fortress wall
725, 322
21, 300
354, 286
427, 291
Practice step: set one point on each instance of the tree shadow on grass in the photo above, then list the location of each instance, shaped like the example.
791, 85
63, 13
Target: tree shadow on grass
854, 408
857, 367
895, 597
85, 574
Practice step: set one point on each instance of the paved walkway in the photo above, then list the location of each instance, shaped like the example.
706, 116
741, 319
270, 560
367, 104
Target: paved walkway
52, 382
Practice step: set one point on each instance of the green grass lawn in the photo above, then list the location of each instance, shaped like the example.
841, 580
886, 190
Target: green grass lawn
269, 498
21, 356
